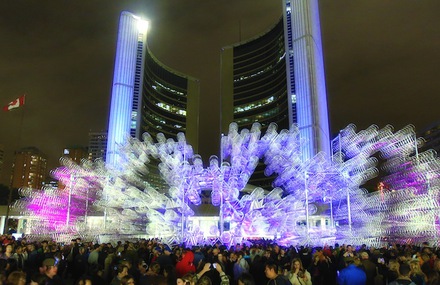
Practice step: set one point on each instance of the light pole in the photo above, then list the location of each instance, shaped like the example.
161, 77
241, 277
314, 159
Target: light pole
306, 176
72, 178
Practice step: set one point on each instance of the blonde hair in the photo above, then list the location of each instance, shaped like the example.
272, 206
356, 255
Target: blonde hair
301, 267
15, 277
415, 267
393, 265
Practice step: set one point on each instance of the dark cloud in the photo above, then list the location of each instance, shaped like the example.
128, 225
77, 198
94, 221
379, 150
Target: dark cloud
381, 61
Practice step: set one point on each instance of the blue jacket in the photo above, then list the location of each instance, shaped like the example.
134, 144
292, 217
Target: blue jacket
352, 275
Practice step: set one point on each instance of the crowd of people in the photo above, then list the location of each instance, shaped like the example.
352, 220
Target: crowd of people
262, 262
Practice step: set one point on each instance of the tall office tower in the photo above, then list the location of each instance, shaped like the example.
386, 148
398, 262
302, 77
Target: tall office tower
305, 68
29, 168
254, 87
147, 96
97, 145
127, 84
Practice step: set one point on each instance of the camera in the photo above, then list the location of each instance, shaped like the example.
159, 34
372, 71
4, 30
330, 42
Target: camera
214, 265
301, 274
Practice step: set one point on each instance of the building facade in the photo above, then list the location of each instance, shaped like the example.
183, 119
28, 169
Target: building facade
431, 135
76, 153
127, 84
147, 96
97, 146
278, 77
305, 70
170, 102
254, 87
29, 168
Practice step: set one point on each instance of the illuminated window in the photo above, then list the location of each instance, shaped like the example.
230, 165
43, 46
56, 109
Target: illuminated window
267, 68
173, 109
258, 104
168, 89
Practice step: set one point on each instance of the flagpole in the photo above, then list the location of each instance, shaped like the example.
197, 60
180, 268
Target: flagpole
21, 123
6, 227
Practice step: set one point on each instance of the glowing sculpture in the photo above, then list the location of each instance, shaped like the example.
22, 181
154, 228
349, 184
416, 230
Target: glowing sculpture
316, 201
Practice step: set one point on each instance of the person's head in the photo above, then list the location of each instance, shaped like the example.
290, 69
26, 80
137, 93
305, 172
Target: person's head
215, 251
271, 270
364, 255
349, 261
404, 270
122, 270
204, 280
437, 264
16, 278
9, 248
425, 257
186, 279
30, 247
19, 250
393, 265
167, 250
50, 267
180, 281
127, 263
246, 279
127, 280
221, 257
38, 279
85, 281
297, 265
155, 267
415, 266
267, 253
169, 271
142, 266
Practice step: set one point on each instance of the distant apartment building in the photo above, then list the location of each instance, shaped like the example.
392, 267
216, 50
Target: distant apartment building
97, 145
76, 153
432, 137
29, 168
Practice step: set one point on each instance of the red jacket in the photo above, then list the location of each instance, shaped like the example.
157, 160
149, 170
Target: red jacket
185, 265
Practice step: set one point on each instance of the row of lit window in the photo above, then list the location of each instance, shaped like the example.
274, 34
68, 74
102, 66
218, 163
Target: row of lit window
169, 108
267, 68
259, 117
168, 89
258, 104
162, 121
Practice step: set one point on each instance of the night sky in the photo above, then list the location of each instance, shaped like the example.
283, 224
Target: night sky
382, 62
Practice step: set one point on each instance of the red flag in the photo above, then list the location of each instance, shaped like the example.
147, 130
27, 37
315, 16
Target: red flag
14, 104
